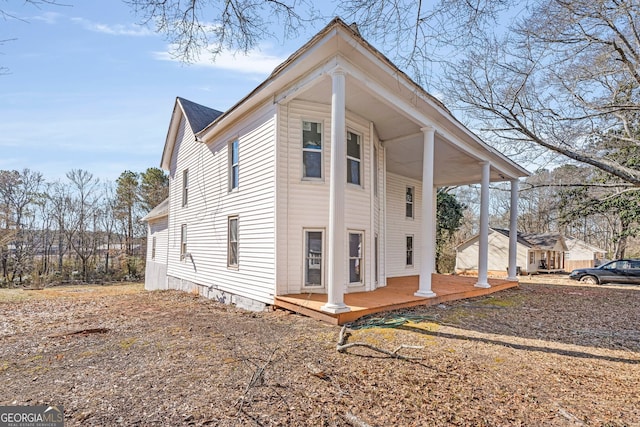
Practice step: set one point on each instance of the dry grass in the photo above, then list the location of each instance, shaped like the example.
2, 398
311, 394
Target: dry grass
557, 355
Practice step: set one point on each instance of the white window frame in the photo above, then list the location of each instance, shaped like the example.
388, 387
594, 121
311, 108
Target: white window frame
360, 257
375, 170
307, 261
183, 241
410, 204
153, 248
313, 150
409, 250
231, 242
353, 159
376, 260
234, 167
185, 187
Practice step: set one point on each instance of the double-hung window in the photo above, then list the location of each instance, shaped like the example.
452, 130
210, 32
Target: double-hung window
234, 173
313, 270
183, 241
409, 248
409, 202
232, 242
185, 187
354, 154
356, 272
153, 248
311, 150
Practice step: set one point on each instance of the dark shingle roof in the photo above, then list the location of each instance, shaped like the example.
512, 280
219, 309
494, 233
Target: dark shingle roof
198, 115
535, 241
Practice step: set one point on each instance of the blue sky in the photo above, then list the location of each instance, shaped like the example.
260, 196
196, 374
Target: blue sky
88, 88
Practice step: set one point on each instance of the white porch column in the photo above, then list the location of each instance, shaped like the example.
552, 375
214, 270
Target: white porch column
483, 250
338, 178
427, 234
513, 230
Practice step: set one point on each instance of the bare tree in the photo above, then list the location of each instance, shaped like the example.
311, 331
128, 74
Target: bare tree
213, 25
81, 231
564, 75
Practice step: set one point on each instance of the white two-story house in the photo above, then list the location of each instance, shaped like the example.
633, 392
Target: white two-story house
321, 180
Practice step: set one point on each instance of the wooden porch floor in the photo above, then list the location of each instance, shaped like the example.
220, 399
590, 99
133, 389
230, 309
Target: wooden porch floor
399, 293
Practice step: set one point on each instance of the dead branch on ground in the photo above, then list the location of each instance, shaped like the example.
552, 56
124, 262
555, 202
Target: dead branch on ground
342, 347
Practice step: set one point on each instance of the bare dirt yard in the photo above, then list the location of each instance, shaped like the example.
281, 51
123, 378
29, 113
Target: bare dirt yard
543, 354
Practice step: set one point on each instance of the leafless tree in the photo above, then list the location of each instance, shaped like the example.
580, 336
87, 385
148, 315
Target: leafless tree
195, 26
566, 74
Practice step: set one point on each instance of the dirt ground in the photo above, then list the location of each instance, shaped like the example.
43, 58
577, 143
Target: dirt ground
543, 354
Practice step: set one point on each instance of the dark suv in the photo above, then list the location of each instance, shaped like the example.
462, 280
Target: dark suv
618, 271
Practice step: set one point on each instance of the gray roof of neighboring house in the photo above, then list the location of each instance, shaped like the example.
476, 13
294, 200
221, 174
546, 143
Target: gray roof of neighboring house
198, 115
158, 212
536, 241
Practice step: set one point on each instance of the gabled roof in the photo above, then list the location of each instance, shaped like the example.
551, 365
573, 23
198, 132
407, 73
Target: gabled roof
542, 241
159, 211
197, 115
572, 242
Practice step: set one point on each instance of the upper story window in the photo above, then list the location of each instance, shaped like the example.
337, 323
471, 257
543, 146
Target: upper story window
185, 187
375, 171
354, 154
234, 172
311, 150
409, 202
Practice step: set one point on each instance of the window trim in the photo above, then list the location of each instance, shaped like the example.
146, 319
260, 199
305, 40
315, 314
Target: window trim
375, 170
231, 265
234, 168
532, 257
359, 160
183, 241
312, 150
305, 256
411, 203
153, 248
361, 257
409, 251
185, 187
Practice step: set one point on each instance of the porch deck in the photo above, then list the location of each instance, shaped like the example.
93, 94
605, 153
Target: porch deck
399, 293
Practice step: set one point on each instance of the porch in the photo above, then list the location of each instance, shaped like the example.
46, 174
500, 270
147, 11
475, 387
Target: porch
399, 293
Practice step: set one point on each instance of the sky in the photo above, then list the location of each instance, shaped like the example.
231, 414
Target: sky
87, 87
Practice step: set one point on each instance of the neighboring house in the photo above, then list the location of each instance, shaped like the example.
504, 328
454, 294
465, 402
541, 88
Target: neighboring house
582, 255
321, 180
536, 253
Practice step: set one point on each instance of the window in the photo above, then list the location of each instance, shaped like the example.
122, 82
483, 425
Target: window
185, 186
311, 150
355, 258
409, 246
232, 243
234, 175
183, 241
532, 257
313, 258
409, 203
153, 248
353, 158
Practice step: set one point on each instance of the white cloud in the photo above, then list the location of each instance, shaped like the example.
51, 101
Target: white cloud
114, 30
47, 17
255, 62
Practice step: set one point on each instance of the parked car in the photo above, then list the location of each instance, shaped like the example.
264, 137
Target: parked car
618, 271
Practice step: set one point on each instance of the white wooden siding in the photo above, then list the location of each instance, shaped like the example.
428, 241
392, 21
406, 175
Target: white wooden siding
156, 268
399, 226
210, 204
498, 255
304, 204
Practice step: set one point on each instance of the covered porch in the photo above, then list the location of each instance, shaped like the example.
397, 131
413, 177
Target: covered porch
399, 293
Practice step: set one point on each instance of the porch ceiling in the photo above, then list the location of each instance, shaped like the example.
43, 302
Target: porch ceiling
402, 137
